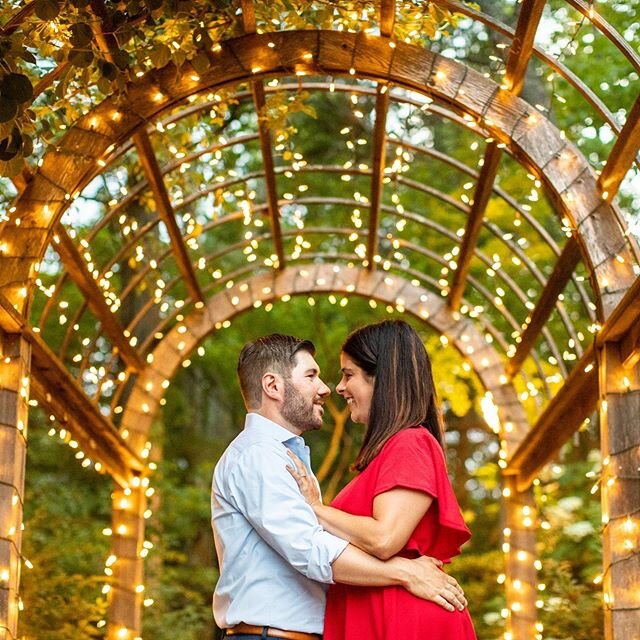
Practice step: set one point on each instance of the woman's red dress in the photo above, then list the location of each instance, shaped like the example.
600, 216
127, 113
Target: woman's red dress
411, 459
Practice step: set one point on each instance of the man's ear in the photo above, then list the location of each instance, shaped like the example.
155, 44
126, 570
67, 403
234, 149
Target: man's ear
273, 386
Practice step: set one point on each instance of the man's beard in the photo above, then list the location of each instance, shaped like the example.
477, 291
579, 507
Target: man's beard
297, 411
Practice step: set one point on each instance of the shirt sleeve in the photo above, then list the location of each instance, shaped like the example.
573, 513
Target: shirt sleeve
406, 461
268, 497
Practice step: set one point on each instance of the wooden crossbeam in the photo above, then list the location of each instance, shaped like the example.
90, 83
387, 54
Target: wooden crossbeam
623, 326
481, 197
522, 44
622, 155
250, 26
248, 16
54, 387
387, 17
377, 173
556, 284
269, 173
516, 66
165, 209
568, 409
59, 392
387, 21
77, 269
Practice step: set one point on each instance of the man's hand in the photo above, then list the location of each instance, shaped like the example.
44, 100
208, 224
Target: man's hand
426, 580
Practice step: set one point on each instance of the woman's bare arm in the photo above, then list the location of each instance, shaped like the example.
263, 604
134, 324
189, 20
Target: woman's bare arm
396, 514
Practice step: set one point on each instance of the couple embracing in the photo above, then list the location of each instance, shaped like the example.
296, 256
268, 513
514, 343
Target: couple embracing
380, 546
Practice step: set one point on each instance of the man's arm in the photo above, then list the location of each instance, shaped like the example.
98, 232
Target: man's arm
422, 577
266, 494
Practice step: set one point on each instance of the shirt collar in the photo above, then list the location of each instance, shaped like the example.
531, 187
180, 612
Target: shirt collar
256, 424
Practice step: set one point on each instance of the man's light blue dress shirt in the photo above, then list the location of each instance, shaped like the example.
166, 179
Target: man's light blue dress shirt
274, 556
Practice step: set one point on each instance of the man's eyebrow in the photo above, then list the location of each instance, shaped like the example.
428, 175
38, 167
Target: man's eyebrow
312, 370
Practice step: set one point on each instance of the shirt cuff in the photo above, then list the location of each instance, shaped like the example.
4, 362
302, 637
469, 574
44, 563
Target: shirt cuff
326, 549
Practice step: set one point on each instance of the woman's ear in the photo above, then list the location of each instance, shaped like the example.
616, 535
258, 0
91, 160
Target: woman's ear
273, 386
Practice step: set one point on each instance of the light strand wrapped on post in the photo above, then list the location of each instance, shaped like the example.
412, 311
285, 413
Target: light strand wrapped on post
14, 397
521, 564
620, 478
126, 589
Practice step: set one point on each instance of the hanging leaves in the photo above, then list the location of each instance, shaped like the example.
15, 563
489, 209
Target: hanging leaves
90, 52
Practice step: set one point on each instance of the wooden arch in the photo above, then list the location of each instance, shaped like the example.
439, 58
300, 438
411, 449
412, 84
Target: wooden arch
532, 139
260, 289
527, 135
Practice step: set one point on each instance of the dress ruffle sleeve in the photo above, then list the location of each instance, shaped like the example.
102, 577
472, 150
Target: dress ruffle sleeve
413, 459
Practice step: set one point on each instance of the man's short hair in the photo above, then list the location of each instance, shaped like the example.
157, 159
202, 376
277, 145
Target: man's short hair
276, 353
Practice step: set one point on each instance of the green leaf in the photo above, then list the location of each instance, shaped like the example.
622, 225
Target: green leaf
47, 9
11, 145
27, 145
27, 56
16, 87
108, 70
8, 109
160, 55
200, 63
81, 35
13, 167
80, 57
104, 85
121, 59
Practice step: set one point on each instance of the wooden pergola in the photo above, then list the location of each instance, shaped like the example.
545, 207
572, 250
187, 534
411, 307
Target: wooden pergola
106, 380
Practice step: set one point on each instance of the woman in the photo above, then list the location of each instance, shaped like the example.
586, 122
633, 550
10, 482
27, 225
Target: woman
401, 502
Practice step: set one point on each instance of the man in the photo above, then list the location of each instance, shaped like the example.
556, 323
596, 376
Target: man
275, 559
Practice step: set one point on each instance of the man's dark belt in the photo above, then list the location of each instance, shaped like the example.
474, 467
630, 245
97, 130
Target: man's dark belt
270, 632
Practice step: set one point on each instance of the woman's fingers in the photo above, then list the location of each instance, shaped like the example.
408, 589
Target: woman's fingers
300, 468
444, 603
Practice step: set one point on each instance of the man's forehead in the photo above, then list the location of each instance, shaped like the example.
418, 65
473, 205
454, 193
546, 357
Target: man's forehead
304, 359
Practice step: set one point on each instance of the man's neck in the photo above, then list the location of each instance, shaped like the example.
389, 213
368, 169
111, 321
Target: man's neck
271, 413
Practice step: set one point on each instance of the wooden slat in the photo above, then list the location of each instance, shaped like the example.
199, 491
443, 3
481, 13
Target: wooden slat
248, 16
563, 416
58, 391
77, 270
481, 197
154, 176
622, 155
257, 88
517, 61
387, 17
377, 174
104, 443
269, 173
562, 272
387, 21
522, 44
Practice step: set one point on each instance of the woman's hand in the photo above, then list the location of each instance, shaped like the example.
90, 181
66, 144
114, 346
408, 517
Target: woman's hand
306, 482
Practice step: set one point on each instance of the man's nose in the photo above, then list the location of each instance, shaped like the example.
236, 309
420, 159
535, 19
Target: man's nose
324, 390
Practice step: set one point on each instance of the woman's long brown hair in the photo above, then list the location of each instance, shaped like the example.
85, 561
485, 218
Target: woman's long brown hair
403, 392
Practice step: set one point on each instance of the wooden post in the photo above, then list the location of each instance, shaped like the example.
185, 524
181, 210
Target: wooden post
126, 562
620, 483
521, 563
15, 361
